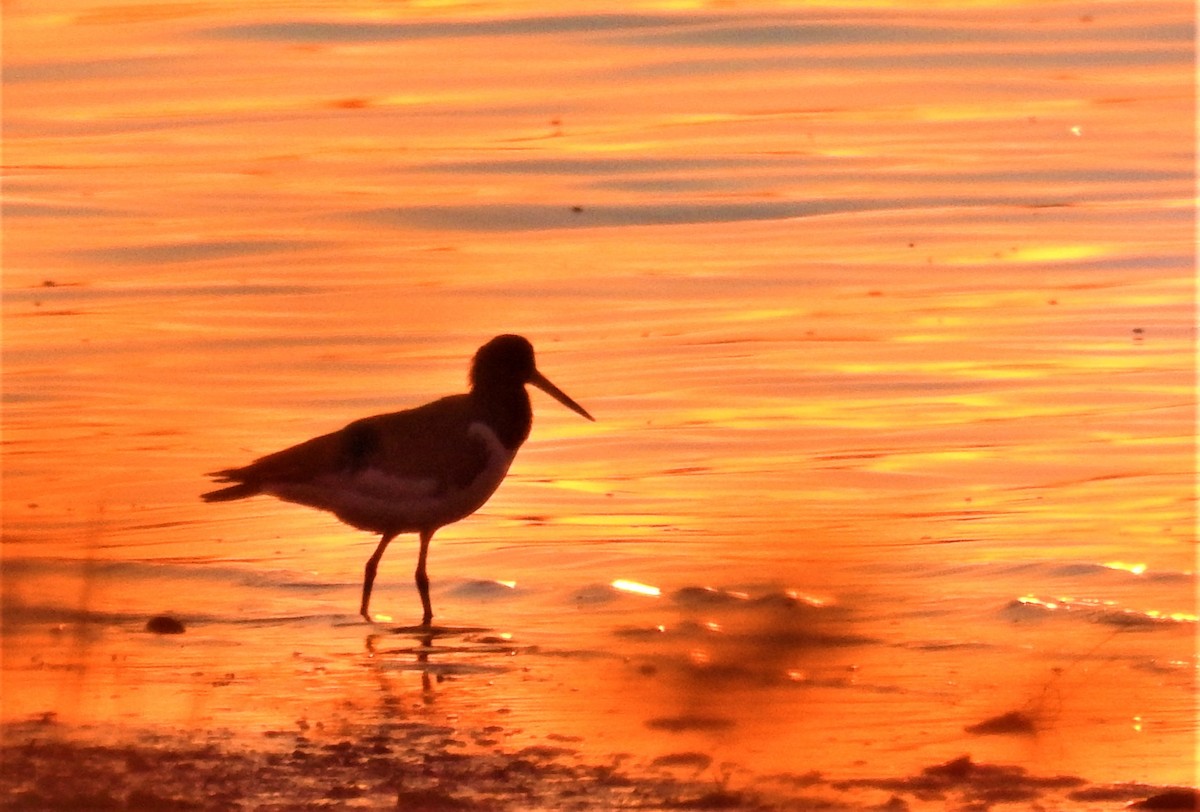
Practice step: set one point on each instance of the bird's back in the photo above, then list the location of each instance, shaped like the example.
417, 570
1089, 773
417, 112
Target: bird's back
391, 472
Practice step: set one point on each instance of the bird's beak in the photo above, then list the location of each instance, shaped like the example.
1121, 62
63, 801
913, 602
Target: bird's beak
539, 380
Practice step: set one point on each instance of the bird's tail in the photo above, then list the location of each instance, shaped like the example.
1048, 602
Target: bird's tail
239, 491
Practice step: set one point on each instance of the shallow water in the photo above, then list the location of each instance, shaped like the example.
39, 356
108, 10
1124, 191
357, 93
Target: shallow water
887, 315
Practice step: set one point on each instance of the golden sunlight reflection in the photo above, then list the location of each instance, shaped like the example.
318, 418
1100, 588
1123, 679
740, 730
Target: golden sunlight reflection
1136, 569
636, 588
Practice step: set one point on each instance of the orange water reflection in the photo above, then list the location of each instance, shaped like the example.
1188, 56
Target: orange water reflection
884, 303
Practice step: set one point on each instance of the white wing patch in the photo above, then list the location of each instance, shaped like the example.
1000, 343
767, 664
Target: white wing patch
373, 499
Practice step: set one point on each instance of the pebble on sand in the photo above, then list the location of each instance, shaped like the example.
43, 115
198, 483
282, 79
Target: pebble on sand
164, 624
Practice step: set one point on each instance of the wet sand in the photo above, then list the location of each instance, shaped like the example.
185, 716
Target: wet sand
610, 712
407, 765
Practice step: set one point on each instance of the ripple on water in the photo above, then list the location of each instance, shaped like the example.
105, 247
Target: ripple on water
1094, 610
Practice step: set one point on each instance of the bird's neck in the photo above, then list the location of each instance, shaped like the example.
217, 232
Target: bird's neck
506, 409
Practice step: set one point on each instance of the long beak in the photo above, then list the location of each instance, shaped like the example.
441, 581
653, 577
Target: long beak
539, 380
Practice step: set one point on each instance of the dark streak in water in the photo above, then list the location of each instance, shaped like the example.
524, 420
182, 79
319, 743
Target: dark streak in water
193, 251
9, 209
80, 70
679, 724
501, 217
50, 313
83, 293
712, 30
319, 31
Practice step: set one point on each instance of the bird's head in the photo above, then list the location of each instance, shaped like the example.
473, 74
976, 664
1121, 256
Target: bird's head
507, 361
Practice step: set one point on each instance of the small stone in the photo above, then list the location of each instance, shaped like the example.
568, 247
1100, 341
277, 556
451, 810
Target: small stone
164, 624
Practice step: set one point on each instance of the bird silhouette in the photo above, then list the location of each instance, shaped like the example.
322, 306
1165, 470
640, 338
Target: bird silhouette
412, 471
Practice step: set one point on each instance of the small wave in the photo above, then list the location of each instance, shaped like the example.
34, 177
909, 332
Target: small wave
595, 595
65, 618
1166, 667
179, 569
1116, 571
785, 637
705, 596
1108, 612
1148, 619
949, 645
481, 589
702, 597
1119, 569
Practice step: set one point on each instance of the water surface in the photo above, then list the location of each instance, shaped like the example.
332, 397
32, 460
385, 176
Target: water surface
887, 315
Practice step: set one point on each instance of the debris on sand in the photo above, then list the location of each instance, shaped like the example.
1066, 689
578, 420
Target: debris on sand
164, 624
48, 767
1173, 799
1013, 723
971, 783
51, 770
689, 760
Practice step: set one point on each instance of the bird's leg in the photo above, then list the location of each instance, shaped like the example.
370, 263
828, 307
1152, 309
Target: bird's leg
423, 578
369, 576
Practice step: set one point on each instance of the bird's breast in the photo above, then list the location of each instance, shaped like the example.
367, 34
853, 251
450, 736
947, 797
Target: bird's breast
463, 496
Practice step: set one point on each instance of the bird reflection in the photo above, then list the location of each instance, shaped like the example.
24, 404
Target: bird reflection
421, 660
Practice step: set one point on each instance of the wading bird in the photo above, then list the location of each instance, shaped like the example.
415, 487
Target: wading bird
410, 471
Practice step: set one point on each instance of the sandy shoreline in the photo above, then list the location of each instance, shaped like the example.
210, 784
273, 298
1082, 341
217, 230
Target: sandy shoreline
417, 766
307, 718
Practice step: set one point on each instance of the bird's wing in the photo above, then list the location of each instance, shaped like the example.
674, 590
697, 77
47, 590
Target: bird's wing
433, 442
430, 443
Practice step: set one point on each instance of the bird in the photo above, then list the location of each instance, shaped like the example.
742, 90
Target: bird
412, 471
